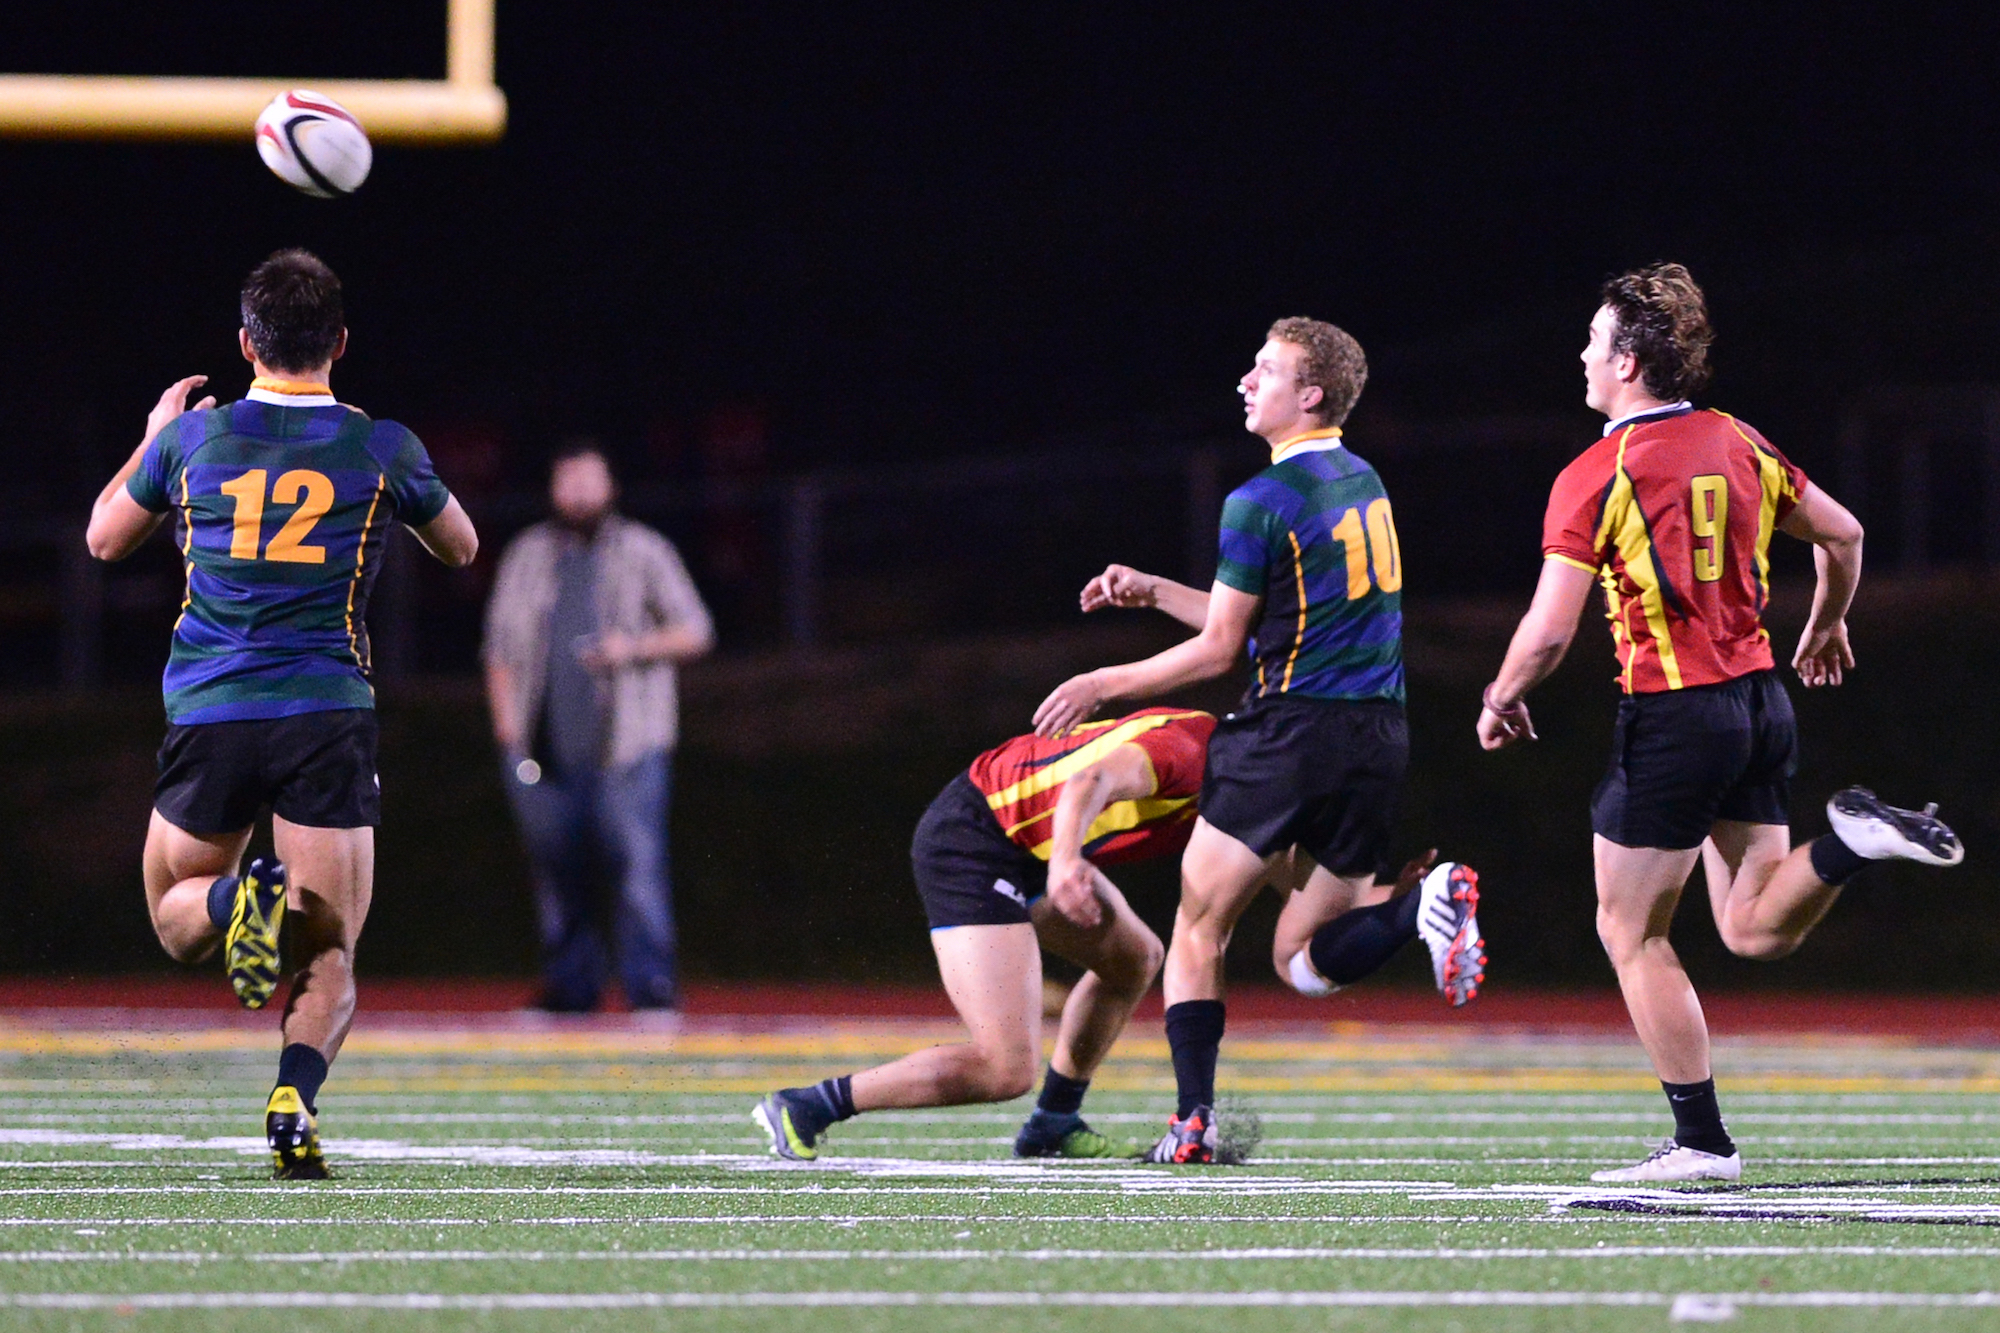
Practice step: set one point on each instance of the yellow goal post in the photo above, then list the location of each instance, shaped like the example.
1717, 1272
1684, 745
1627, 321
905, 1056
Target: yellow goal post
465, 107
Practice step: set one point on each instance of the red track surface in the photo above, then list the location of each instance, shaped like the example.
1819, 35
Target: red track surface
204, 998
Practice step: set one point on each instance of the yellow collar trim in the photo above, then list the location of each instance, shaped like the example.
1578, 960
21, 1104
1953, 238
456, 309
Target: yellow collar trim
1279, 450
293, 388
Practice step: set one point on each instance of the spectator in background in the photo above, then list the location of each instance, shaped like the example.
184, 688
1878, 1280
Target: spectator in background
590, 614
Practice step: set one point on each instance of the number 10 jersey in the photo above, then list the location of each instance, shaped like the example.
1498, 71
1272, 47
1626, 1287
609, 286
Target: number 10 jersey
1673, 511
282, 509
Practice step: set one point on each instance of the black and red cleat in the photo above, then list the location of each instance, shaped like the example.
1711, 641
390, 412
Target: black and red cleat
1187, 1142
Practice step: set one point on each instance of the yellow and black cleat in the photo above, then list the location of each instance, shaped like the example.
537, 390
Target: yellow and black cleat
294, 1137
250, 945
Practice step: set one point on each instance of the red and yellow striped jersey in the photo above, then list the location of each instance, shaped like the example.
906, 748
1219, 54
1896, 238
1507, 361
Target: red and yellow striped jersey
1674, 513
1023, 779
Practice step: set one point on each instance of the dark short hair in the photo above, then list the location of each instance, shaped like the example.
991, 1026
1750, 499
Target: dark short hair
1663, 322
1329, 358
579, 446
292, 309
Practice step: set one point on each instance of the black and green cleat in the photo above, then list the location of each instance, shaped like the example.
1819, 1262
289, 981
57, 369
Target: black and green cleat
1046, 1135
790, 1126
294, 1138
250, 945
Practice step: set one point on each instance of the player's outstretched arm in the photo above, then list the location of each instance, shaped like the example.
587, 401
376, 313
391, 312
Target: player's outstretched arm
1539, 643
119, 525
1123, 586
1126, 774
450, 536
1203, 657
1823, 654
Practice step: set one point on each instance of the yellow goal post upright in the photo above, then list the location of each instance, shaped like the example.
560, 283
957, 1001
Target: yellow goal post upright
465, 107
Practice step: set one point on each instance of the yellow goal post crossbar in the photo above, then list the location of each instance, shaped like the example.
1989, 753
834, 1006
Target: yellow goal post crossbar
465, 107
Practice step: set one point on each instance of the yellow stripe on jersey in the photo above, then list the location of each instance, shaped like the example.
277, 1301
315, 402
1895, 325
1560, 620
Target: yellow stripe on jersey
187, 552
1624, 523
1774, 484
1117, 818
1299, 641
360, 557
1574, 564
1063, 769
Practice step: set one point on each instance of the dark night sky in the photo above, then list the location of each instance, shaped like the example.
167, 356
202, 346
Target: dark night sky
928, 229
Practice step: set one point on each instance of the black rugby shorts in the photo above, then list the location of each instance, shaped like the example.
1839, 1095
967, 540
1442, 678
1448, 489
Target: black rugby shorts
1683, 759
315, 769
969, 873
1325, 775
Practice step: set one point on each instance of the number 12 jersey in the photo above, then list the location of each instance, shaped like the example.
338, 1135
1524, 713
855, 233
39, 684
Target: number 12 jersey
1673, 511
283, 504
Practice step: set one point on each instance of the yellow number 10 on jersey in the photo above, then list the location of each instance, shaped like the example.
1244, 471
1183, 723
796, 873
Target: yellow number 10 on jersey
312, 492
1380, 542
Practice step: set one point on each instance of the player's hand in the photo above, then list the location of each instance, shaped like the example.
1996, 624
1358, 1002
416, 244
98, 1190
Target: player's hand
1073, 891
613, 650
1412, 874
1120, 586
1072, 702
172, 403
1823, 656
1499, 728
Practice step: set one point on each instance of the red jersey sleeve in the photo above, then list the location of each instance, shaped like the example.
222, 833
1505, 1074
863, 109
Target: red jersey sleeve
1576, 510
1179, 753
1783, 480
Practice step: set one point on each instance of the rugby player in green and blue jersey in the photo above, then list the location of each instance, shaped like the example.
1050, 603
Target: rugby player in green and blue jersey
282, 504
1314, 758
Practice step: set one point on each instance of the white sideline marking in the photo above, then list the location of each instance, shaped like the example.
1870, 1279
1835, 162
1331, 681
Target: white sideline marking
825, 1219
679, 1300
1351, 1253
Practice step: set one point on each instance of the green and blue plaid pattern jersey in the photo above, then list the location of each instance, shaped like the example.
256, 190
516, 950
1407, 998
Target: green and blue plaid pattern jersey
1313, 536
282, 516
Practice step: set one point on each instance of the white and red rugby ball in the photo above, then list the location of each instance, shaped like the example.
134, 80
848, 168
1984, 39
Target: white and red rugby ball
314, 144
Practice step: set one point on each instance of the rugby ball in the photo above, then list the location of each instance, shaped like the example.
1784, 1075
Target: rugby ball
313, 144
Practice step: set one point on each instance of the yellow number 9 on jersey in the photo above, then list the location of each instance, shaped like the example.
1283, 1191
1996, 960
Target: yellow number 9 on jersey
1708, 519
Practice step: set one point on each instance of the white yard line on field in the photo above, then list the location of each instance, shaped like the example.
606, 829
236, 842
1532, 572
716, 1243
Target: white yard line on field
676, 1300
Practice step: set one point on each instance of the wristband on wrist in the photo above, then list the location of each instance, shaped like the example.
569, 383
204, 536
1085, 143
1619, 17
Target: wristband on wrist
1486, 701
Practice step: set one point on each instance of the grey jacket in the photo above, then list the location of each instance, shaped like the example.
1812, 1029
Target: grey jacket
642, 586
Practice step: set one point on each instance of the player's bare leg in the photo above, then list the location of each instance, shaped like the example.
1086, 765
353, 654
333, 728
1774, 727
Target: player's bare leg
1120, 957
1219, 878
180, 867
332, 881
994, 977
1637, 891
332, 876
1766, 895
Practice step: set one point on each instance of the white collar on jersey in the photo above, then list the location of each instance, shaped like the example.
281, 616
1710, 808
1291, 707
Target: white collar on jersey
289, 393
1312, 442
1665, 409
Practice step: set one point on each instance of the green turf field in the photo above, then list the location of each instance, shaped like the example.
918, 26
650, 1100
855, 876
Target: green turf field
591, 1179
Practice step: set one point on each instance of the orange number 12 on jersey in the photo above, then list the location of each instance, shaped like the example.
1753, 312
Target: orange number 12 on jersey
312, 492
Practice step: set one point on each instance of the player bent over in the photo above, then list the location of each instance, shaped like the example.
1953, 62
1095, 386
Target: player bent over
283, 503
1673, 511
1315, 756
1007, 863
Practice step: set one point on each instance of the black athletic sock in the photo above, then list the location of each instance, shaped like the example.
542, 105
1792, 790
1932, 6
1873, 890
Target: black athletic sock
1355, 943
1061, 1095
1834, 861
1194, 1032
824, 1103
222, 900
303, 1067
1697, 1117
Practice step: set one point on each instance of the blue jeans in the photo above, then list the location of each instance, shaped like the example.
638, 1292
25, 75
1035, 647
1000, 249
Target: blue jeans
616, 819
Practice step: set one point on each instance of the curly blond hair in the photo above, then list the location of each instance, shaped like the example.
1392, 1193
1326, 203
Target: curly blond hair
1663, 322
1332, 361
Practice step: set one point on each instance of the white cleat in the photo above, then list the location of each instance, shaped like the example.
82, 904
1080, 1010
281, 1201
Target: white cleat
1671, 1164
1881, 832
1448, 922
